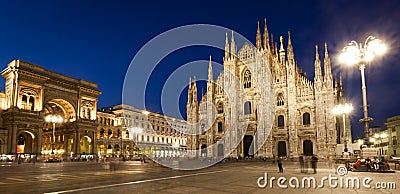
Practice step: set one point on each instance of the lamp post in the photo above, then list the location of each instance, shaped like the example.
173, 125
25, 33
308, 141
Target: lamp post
358, 54
343, 109
53, 119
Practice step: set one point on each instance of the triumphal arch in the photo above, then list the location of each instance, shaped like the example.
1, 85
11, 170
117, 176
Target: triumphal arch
32, 93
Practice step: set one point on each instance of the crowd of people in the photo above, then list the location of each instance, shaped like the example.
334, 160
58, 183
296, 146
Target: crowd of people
374, 164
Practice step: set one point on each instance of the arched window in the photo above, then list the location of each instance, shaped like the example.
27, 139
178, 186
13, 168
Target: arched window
220, 108
88, 113
109, 133
220, 129
102, 132
280, 101
247, 79
118, 133
31, 103
281, 121
247, 108
306, 118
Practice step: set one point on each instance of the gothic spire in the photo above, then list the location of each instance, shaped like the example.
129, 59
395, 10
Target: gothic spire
190, 91
273, 43
258, 36
266, 38
226, 47
340, 81
194, 97
233, 46
290, 52
281, 51
317, 66
327, 65
210, 73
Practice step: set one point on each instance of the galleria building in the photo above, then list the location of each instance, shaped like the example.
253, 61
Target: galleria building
33, 92
235, 104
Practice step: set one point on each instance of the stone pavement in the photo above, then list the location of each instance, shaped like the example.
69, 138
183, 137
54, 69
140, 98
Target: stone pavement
130, 177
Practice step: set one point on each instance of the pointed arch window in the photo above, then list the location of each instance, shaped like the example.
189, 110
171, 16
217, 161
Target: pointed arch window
280, 101
220, 127
281, 121
306, 118
247, 108
247, 79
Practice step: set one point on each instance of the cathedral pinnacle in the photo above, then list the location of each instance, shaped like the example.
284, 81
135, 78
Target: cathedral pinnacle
258, 36
317, 66
290, 51
226, 47
233, 46
327, 68
281, 51
326, 50
210, 74
266, 38
281, 40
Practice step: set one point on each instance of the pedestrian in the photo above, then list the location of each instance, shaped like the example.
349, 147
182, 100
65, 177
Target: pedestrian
280, 164
314, 161
301, 159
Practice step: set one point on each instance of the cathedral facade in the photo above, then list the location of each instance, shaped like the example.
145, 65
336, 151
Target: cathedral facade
303, 122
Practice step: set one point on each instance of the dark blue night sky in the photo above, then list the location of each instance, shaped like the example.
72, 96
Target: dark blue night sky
96, 40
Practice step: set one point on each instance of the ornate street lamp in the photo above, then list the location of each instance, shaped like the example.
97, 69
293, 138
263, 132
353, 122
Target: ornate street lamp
53, 119
361, 55
343, 109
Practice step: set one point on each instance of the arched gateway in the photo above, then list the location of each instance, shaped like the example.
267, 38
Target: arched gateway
31, 94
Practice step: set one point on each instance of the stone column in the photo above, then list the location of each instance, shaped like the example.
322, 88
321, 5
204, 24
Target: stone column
13, 142
94, 143
38, 143
77, 144
66, 141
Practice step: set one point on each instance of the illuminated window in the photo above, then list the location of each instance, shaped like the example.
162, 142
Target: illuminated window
102, 132
280, 100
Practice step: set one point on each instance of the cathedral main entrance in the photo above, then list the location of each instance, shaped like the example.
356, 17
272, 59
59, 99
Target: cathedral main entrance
282, 148
248, 150
308, 147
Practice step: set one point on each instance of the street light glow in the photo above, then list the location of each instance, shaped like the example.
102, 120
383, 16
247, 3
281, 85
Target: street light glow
342, 109
360, 55
53, 119
355, 53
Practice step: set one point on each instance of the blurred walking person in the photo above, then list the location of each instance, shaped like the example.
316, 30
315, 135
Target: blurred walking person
301, 159
314, 161
280, 164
